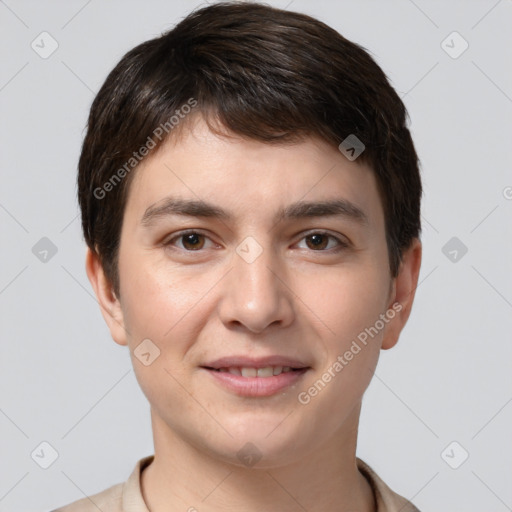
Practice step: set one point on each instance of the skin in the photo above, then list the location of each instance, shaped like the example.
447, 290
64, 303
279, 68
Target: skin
295, 299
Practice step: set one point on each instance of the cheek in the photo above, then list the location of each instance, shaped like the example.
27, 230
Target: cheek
351, 348
170, 310
350, 304
157, 313
155, 302
345, 301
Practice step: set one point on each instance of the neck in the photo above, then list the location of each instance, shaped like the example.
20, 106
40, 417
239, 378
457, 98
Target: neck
181, 477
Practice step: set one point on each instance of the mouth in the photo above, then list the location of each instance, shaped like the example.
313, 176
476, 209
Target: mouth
251, 371
256, 379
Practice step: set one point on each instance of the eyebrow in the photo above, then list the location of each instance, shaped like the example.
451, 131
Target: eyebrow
301, 209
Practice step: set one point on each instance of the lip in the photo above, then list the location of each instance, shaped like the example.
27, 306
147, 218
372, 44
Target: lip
256, 386
253, 362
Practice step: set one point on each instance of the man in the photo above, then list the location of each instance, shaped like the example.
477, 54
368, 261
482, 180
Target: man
250, 199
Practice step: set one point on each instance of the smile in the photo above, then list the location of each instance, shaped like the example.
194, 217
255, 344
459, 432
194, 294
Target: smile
246, 371
256, 382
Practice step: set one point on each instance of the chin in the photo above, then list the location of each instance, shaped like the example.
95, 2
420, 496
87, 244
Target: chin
261, 443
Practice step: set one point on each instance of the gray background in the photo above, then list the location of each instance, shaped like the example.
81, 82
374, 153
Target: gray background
64, 381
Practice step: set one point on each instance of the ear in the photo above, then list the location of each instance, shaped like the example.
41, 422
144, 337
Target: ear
109, 303
402, 293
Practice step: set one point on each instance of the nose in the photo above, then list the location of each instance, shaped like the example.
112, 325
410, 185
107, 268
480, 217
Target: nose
256, 294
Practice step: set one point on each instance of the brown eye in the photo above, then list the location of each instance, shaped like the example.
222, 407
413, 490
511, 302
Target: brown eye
192, 241
188, 241
318, 241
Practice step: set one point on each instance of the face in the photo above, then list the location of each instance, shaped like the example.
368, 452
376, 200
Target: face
258, 277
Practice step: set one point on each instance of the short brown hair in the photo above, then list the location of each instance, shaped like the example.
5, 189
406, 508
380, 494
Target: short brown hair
264, 73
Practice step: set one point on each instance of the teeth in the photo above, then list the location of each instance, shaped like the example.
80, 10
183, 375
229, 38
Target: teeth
249, 372
267, 371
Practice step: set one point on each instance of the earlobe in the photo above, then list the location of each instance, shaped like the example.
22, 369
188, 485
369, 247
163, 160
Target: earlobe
403, 292
110, 305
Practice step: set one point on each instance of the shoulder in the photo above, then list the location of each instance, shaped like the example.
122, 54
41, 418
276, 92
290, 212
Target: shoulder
116, 498
109, 500
387, 500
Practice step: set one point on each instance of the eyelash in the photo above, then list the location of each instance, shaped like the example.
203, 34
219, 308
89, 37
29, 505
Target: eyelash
341, 244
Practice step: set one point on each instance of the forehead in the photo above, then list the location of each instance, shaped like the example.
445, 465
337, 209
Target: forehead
249, 178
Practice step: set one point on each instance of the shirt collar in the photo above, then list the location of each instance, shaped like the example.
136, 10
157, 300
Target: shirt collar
385, 498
